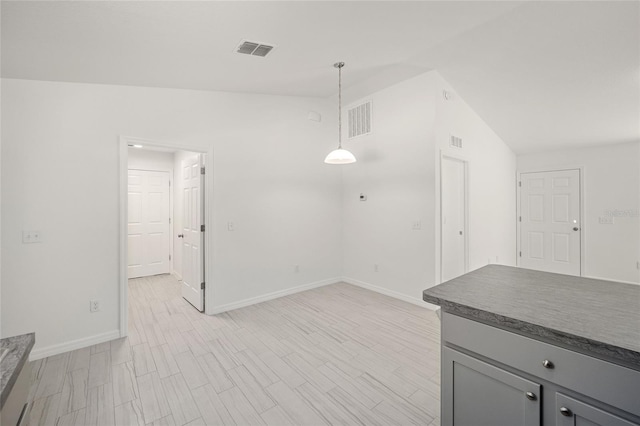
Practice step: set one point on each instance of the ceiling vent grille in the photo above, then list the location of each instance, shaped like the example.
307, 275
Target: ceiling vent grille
455, 142
360, 120
254, 48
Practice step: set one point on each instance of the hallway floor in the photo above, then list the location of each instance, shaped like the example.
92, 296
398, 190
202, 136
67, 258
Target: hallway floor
337, 354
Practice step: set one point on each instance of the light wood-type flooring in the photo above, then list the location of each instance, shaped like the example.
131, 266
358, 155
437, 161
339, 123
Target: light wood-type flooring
337, 355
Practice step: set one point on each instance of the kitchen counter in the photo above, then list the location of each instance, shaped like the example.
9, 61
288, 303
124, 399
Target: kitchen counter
12, 361
595, 317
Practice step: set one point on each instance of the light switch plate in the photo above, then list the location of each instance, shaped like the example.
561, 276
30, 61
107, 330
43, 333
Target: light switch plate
29, 237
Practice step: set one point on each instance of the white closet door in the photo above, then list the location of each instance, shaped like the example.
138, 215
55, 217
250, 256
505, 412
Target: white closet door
148, 223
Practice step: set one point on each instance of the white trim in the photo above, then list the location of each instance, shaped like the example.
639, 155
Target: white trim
465, 164
583, 222
390, 293
612, 280
271, 296
73, 345
124, 142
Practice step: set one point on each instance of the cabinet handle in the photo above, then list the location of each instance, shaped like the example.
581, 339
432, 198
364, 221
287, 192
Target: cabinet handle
547, 364
531, 396
565, 412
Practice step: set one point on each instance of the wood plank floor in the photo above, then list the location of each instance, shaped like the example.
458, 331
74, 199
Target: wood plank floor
337, 354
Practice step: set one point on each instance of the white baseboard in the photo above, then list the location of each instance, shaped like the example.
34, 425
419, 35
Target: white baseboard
390, 293
73, 345
610, 279
270, 296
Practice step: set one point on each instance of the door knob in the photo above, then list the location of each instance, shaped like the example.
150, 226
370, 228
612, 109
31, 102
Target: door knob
180, 235
547, 364
566, 412
575, 228
531, 396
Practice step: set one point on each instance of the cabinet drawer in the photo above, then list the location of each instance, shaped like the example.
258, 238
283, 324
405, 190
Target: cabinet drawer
610, 383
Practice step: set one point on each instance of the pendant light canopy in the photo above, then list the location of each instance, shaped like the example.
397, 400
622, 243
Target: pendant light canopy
340, 155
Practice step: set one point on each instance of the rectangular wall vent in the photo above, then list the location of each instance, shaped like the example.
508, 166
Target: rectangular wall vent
254, 48
455, 142
360, 120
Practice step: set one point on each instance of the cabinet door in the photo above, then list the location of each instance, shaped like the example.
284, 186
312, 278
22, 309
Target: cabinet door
571, 412
479, 394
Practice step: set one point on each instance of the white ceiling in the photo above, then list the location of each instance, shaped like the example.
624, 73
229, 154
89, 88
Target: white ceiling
542, 74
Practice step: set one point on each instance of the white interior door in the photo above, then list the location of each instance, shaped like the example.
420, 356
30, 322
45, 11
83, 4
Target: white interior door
453, 218
148, 223
550, 235
193, 235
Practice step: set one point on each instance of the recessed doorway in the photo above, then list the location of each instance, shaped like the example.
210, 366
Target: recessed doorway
164, 199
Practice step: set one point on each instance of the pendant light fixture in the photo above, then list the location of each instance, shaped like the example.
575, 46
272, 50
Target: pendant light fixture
340, 155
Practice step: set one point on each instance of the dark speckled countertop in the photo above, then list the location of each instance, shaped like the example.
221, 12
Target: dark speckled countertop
594, 317
19, 348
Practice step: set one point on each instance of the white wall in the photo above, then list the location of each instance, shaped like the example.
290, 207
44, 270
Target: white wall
60, 176
398, 170
491, 180
145, 159
611, 182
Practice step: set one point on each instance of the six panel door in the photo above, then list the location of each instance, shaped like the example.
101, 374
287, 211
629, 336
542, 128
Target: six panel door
550, 234
148, 223
193, 240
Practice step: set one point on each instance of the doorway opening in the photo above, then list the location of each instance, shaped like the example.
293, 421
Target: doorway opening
454, 239
164, 204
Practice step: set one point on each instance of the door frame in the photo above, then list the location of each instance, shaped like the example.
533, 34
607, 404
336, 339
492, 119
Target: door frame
581, 191
465, 163
123, 142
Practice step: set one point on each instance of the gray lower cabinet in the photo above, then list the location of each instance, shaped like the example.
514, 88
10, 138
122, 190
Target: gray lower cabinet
493, 377
484, 395
571, 412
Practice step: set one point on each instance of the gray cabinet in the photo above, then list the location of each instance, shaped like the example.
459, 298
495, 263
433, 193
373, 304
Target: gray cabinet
491, 376
571, 412
484, 395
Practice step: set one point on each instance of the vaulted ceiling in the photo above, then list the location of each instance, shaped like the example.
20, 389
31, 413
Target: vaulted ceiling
543, 75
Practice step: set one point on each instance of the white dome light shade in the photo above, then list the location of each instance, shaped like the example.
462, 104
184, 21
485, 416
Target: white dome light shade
340, 156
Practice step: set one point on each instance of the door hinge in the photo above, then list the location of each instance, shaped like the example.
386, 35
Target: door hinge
520, 218
201, 170
201, 286
520, 254
169, 221
169, 257
169, 183
520, 183
201, 228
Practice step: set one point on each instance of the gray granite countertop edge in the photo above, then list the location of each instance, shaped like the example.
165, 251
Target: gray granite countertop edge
14, 361
622, 356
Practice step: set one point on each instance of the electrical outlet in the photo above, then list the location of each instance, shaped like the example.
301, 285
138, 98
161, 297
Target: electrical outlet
375, 267
416, 226
231, 226
94, 305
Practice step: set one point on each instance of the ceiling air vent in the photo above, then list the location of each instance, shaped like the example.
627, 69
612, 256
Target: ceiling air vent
360, 120
254, 48
455, 142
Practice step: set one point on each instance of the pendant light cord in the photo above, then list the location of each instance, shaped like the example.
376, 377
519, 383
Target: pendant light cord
340, 106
